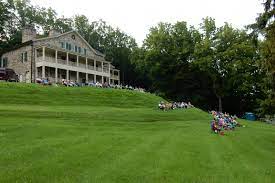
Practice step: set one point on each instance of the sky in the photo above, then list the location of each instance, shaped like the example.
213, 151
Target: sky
135, 17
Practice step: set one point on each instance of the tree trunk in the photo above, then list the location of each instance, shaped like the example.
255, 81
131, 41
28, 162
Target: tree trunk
218, 96
220, 103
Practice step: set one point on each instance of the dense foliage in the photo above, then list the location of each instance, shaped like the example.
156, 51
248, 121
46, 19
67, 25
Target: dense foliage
265, 25
221, 68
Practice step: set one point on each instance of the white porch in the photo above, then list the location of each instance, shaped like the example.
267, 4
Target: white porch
57, 65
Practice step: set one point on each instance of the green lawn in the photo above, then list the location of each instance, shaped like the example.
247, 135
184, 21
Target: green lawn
56, 134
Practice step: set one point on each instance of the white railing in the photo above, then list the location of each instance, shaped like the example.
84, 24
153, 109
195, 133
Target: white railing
99, 69
82, 65
90, 67
60, 61
74, 64
39, 59
50, 59
115, 77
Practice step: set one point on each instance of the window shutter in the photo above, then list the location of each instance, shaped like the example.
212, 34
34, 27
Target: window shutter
5, 62
22, 57
26, 57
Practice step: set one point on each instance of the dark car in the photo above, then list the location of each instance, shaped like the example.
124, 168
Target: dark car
8, 75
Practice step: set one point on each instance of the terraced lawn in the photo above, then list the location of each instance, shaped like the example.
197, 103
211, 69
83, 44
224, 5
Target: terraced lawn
57, 134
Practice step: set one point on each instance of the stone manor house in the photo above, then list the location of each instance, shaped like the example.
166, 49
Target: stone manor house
59, 56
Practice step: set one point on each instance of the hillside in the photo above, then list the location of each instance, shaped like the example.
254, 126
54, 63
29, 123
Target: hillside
57, 134
86, 96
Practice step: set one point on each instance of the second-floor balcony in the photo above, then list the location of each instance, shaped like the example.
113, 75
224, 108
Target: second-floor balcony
50, 57
72, 63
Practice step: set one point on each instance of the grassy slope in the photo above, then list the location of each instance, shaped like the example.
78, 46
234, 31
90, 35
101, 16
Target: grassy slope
52, 134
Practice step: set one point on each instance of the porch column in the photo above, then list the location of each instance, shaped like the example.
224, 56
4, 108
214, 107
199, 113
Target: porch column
109, 71
43, 53
95, 65
56, 53
56, 76
86, 63
35, 54
77, 76
77, 60
67, 75
43, 72
67, 58
102, 79
36, 73
94, 78
118, 77
87, 78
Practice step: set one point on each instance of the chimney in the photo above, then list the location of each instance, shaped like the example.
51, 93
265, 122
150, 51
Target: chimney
28, 33
53, 33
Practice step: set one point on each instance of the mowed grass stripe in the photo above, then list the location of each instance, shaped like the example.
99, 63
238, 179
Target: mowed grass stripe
99, 135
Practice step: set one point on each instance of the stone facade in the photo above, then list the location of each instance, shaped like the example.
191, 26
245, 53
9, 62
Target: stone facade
21, 66
59, 56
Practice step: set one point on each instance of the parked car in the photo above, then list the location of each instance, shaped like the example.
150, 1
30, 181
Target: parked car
8, 75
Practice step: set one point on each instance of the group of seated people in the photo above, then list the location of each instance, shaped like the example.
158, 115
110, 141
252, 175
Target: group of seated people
174, 105
115, 86
223, 121
45, 81
71, 83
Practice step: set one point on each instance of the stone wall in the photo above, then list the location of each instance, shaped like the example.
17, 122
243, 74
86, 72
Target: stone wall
22, 69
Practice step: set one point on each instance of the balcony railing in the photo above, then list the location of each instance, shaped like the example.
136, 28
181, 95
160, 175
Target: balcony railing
60, 61
106, 70
74, 64
90, 67
82, 65
99, 69
115, 77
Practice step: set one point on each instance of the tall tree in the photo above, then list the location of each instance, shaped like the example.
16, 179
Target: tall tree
227, 55
265, 25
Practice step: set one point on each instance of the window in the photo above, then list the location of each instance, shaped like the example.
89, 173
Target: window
67, 46
62, 45
5, 62
79, 50
25, 56
22, 57
85, 51
75, 48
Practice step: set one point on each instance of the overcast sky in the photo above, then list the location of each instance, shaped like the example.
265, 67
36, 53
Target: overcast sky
135, 17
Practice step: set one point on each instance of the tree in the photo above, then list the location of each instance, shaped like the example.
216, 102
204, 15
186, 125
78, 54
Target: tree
228, 56
265, 24
166, 56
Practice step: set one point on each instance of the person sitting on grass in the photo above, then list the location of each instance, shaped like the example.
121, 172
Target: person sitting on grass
161, 105
215, 127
